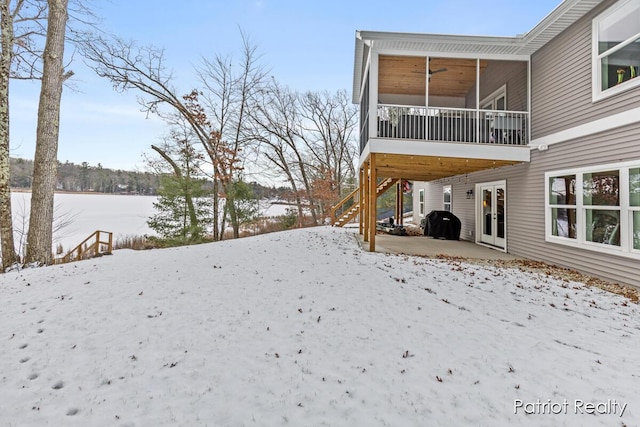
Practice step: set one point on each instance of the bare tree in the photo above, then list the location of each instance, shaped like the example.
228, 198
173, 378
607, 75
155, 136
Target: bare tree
278, 128
229, 96
331, 121
24, 28
18, 59
40, 237
217, 114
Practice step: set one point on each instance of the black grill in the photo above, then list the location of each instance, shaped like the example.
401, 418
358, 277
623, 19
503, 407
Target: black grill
441, 225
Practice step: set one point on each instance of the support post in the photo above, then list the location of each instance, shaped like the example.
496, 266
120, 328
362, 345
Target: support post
365, 201
361, 201
401, 205
373, 179
396, 214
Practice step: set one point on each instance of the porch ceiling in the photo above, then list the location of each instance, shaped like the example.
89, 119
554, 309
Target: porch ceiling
406, 75
429, 168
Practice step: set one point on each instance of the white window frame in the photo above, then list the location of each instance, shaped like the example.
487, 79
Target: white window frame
421, 202
626, 211
450, 202
501, 92
620, 9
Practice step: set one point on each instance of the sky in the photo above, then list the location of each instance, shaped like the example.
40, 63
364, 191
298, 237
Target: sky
306, 45
323, 334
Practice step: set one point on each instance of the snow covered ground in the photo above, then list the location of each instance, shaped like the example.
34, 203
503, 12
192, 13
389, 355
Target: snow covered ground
303, 328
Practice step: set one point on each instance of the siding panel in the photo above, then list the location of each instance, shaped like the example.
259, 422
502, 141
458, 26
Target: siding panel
498, 73
561, 82
525, 202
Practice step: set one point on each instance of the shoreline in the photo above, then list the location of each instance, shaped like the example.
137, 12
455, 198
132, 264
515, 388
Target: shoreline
95, 193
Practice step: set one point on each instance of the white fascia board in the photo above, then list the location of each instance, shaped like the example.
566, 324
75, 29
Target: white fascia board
600, 125
365, 153
449, 54
357, 70
440, 38
449, 149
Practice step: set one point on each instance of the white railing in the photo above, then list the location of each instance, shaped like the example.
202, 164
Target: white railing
453, 124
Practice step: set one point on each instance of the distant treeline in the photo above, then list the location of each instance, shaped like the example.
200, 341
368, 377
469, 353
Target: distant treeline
87, 178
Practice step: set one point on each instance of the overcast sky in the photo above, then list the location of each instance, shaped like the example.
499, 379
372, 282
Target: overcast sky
307, 45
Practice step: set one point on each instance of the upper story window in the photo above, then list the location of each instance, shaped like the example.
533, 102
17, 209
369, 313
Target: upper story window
616, 49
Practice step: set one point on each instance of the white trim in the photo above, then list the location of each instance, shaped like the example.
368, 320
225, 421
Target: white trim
367, 68
365, 153
600, 125
450, 203
478, 214
421, 203
625, 248
449, 149
622, 8
500, 92
455, 55
373, 93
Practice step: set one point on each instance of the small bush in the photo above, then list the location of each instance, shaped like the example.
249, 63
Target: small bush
136, 243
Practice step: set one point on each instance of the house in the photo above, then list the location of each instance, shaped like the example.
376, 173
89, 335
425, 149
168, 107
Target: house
533, 141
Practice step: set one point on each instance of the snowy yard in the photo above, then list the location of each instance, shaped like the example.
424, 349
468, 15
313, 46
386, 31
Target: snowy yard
303, 328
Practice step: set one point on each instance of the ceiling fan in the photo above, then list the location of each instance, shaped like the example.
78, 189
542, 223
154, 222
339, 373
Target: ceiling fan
439, 70
431, 72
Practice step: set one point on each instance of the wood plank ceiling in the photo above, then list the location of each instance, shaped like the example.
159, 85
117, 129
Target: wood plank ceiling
428, 168
406, 75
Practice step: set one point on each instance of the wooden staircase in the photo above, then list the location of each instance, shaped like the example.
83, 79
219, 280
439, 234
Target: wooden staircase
90, 247
347, 209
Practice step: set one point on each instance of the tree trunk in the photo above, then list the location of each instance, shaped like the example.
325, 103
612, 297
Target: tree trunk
40, 238
6, 223
191, 210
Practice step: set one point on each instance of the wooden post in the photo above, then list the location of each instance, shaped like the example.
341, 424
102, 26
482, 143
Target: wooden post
400, 219
365, 202
373, 198
396, 215
361, 201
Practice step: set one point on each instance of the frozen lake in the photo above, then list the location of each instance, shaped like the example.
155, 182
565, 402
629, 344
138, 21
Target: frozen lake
122, 215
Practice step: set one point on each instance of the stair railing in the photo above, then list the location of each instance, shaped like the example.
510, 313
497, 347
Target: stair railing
84, 250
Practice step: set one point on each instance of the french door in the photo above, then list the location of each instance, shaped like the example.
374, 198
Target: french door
492, 218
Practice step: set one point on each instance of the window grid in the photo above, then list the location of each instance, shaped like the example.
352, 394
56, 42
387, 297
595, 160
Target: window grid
611, 227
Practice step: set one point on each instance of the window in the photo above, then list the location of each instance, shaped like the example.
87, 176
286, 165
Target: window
634, 205
596, 208
446, 198
421, 202
616, 49
496, 101
562, 203
601, 199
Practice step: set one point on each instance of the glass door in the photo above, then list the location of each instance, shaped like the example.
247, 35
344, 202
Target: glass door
493, 214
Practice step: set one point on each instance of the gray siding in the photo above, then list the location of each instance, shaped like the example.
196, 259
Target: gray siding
432, 198
461, 206
525, 202
497, 73
561, 82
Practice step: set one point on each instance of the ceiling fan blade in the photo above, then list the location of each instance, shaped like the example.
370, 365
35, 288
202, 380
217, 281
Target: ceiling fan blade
439, 70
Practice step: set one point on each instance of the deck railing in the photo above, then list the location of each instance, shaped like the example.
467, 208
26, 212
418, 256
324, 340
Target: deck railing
453, 124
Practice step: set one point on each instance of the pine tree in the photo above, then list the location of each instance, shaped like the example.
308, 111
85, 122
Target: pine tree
175, 220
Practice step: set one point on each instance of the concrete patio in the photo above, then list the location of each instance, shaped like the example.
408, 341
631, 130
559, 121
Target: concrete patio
427, 246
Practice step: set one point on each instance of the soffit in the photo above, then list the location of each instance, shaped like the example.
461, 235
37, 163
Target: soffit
567, 13
429, 168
